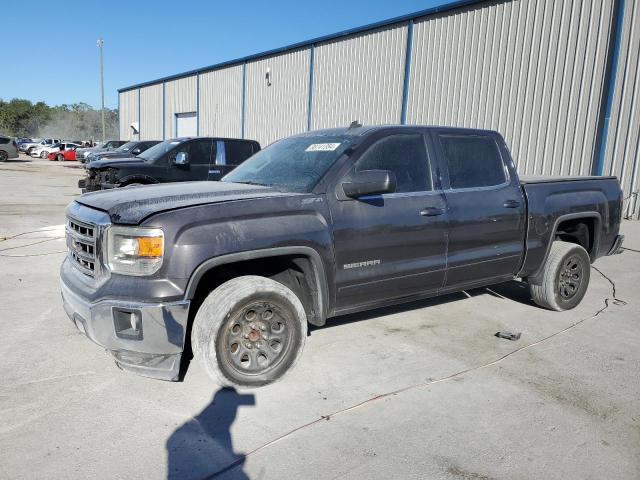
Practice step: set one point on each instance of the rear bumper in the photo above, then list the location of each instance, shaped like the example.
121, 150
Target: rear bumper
153, 349
616, 248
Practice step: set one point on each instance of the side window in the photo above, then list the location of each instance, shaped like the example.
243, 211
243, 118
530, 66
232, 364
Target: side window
200, 152
473, 161
406, 156
4, 141
237, 152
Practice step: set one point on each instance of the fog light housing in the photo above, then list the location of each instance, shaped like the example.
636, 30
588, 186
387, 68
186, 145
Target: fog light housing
127, 323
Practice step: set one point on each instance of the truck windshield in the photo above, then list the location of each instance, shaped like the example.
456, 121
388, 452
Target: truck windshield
157, 151
126, 147
293, 164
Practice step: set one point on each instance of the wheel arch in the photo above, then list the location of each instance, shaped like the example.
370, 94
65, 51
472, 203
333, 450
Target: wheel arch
591, 216
310, 263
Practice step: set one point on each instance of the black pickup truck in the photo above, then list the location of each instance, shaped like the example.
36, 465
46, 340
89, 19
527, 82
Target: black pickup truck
315, 226
176, 160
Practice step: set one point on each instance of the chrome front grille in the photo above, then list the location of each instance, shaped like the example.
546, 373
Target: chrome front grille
82, 245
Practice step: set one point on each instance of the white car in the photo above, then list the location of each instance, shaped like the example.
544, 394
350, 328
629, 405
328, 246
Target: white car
47, 142
43, 151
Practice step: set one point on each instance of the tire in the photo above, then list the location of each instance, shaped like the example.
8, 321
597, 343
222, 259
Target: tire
60, 157
249, 332
44, 154
564, 279
29, 150
4, 156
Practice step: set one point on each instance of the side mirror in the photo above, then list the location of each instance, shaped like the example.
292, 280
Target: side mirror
182, 158
136, 151
369, 182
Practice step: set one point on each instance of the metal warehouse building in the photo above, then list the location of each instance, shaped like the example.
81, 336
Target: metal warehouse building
558, 78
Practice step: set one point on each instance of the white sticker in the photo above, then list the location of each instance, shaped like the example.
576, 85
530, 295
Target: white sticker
322, 147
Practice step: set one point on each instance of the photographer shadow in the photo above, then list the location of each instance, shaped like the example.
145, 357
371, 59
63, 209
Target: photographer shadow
202, 447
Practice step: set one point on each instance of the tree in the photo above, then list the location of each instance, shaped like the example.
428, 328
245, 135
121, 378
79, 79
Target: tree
78, 121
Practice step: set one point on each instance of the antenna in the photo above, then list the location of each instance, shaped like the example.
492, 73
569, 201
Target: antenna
355, 124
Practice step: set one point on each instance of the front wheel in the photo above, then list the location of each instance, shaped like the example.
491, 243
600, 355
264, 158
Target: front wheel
44, 155
4, 156
564, 279
249, 332
60, 157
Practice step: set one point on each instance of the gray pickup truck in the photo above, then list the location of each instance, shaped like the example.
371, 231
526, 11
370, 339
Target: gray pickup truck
318, 225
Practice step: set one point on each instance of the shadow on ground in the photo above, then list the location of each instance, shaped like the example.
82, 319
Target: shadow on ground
202, 446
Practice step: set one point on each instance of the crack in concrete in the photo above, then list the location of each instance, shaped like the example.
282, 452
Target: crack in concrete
607, 300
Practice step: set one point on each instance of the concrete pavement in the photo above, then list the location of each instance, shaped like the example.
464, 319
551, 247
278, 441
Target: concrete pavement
418, 391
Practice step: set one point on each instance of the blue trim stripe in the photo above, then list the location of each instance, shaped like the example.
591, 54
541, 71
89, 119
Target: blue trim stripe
311, 72
164, 111
198, 104
611, 86
407, 73
244, 90
139, 114
295, 46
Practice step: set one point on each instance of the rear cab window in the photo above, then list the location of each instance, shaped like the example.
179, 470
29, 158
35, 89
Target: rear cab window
237, 151
473, 160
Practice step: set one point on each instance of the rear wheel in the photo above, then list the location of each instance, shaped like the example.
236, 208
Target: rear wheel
4, 156
249, 331
44, 154
564, 279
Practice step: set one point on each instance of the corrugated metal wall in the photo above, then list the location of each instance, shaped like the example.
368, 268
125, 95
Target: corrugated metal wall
278, 109
622, 156
128, 114
221, 102
360, 78
151, 112
531, 69
180, 97
534, 70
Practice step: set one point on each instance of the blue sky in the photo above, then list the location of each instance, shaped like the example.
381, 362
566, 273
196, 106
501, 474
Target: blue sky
49, 48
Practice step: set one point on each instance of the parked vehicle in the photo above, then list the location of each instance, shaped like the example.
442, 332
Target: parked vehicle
177, 160
129, 149
83, 153
43, 151
28, 147
8, 148
319, 225
63, 155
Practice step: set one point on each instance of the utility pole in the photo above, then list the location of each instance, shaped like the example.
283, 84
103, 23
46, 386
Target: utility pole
100, 44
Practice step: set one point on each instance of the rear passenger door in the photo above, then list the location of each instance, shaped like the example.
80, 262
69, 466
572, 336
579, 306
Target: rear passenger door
486, 207
230, 154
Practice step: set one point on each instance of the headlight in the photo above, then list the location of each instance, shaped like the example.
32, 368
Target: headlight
134, 251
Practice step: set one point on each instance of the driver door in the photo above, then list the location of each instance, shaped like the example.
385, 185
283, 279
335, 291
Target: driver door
200, 152
391, 245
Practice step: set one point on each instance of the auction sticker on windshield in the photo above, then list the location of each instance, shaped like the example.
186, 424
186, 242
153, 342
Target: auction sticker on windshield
322, 147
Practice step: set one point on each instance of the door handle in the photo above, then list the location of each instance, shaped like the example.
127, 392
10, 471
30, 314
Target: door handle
511, 204
432, 212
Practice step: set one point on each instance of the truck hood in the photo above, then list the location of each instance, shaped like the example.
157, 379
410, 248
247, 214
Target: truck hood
117, 161
130, 206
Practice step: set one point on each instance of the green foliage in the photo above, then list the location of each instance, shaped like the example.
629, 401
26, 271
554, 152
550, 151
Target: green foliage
79, 121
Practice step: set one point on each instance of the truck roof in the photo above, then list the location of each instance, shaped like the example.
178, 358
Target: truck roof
363, 130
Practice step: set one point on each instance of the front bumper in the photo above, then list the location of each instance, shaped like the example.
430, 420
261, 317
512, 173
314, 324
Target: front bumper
154, 351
